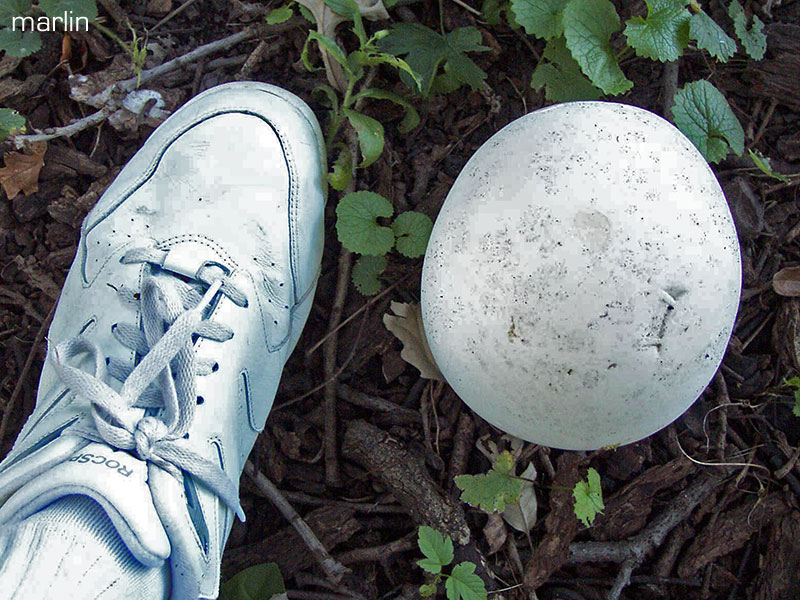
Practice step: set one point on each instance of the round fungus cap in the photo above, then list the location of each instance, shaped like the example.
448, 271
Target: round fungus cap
583, 276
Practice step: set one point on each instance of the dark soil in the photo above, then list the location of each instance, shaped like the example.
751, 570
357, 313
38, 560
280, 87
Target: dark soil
741, 536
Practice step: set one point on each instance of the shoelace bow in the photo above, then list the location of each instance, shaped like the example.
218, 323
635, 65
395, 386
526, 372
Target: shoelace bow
172, 313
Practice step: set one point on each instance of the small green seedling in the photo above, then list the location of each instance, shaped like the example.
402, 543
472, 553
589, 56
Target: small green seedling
492, 491
763, 164
794, 382
11, 123
461, 583
588, 498
358, 230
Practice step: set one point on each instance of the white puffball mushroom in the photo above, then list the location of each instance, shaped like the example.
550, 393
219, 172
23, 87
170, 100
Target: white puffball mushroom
583, 276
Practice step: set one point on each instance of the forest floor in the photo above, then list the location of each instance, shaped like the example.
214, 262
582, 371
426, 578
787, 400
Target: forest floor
722, 525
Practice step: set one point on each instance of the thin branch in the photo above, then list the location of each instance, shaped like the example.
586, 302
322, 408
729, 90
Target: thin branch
332, 568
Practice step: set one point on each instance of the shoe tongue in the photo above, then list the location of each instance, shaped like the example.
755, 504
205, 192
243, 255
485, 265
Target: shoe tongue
117, 481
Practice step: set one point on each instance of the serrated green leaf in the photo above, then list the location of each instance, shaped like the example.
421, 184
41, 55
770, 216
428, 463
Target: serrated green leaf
541, 18
588, 498
307, 15
19, 43
463, 584
664, 34
11, 123
261, 582
588, 26
704, 116
562, 77
357, 226
341, 170
12, 8
73, 8
412, 230
370, 135
438, 549
427, 589
279, 15
427, 49
492, 491
763, 164
411, 117
710, 36
793, 382
753, 39
365, 274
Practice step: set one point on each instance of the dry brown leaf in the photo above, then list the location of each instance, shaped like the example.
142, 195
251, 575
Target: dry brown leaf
21, 173
786, 282
495, 532
522, 515
406, 324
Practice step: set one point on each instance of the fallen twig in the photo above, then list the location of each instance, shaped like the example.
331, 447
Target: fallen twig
122, 88
632, 552
333, 569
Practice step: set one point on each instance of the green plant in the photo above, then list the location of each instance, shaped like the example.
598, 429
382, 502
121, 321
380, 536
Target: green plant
358, 230
579, 61
20, 43
259, 582
461, 582
794, 383
492, 491
588, 498
11, 123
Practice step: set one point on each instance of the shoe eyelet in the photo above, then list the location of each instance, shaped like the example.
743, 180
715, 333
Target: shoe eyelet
186, 436
200, 400
215, 367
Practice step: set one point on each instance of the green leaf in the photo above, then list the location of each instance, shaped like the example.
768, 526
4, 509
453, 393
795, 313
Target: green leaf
427, 589
349, 10
19, 43
279, 15
562, 77
370, 135
762, 162
664, 34
491, 12
365, 274
711, 37
588, 26
357, 225
792, 382
541, 18
73, 8
492, 491
11, 123
427, 49
464, 584
333, 49
588, 498
753, 39
703, 115
12, 8
307, 14
411, 117
341, 171
261, 582
438, 549
412, 230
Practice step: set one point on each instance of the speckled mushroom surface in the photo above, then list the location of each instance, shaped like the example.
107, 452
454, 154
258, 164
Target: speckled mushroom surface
583, 276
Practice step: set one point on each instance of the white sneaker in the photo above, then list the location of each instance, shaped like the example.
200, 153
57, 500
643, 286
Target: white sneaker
193, 279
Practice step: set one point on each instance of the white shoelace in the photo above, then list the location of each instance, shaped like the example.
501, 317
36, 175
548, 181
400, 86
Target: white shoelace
172, 313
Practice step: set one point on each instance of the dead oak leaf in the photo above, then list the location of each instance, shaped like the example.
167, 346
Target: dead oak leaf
21, 173
406, 324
